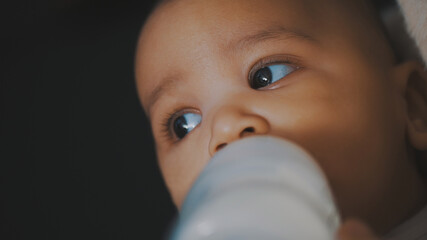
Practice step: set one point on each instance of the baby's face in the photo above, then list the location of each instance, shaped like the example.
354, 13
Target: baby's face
211, 72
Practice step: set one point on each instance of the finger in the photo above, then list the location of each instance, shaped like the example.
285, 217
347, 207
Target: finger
355, 230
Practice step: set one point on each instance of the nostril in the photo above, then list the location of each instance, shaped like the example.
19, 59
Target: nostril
249, 130
221, 146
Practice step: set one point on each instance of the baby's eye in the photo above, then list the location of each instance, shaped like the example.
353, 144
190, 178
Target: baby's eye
184, 123
270, 74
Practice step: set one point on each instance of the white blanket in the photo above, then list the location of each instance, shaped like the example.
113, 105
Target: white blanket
415, 14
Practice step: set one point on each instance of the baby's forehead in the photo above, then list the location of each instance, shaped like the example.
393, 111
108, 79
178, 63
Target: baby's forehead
233, 7
218, 19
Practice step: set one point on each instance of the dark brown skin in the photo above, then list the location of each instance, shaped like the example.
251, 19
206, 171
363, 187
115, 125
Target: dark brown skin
345, 99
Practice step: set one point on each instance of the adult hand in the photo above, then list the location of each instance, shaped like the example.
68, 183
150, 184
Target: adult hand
355, 230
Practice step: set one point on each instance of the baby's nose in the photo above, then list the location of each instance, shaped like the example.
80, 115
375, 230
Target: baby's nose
230, 124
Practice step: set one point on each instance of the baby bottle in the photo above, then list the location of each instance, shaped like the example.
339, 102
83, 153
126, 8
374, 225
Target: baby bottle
259, 188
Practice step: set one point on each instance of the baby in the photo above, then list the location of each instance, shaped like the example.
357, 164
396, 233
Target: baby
320, 73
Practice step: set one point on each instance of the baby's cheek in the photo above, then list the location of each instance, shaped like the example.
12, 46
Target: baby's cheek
354, 152
180, 166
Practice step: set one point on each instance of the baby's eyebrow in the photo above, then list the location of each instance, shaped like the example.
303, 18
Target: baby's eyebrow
272, 32
165, 84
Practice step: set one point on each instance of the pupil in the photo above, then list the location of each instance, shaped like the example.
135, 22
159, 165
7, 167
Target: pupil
262, 78
180, 127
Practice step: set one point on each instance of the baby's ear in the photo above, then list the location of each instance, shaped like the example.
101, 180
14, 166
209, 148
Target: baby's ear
412, 79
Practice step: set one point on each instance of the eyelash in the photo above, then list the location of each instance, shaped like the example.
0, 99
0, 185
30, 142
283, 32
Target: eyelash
167, 122
264, 62
278, 59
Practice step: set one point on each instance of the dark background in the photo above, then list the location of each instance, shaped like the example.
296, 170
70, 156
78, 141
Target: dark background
76, 155
77, 160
